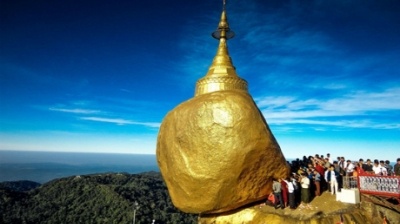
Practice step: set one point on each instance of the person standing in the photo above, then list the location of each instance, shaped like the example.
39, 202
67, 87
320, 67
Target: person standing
333, 177
378, 169
319, 168
367, 167
305, 191
297, 189
397, 168
384, 171
277, 189
327, 164
349, 168
327, 185
328, 155
292, 199
361, 166
338, 169
342, 163
389, 168
317, 182
358, 170
285, 192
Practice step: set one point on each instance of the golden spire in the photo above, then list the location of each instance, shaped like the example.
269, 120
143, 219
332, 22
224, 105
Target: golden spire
222, 74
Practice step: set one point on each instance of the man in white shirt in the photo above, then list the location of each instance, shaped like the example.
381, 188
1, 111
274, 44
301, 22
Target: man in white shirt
292, 202
385, 171
332, 178
378, 169
349, 168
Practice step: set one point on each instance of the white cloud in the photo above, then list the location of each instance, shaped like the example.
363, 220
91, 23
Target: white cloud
361, 101
274, 102
75, 111
358, 109
337, 123
120, 121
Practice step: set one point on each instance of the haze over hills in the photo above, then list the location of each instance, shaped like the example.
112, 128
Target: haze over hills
45, 166
75, 158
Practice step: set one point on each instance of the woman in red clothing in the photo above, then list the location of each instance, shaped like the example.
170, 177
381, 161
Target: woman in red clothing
358, 170
285, 192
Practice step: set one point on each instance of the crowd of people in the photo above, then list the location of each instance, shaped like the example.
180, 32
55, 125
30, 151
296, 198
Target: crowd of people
312, 175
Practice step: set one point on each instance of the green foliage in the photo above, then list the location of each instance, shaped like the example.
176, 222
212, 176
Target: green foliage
21, 185
97, 198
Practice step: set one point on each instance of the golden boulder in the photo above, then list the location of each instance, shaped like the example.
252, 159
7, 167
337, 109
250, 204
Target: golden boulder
216, 153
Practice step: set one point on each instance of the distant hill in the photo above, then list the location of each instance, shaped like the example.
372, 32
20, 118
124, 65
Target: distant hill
96, 198
21, 185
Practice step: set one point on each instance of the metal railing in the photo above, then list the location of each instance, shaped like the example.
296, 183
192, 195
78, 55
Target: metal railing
388, 186
350, 182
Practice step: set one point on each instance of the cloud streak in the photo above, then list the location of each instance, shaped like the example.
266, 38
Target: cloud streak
119, 121
75, 110
359, 109
117, 106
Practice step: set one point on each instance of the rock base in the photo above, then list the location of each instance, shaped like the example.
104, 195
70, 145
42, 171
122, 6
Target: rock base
322, 210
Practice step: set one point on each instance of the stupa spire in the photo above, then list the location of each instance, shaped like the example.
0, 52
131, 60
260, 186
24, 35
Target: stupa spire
221, 74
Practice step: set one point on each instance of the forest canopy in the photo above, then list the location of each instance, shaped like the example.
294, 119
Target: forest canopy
96, 198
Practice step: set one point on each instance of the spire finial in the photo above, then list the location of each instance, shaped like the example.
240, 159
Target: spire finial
222, 74
223, 30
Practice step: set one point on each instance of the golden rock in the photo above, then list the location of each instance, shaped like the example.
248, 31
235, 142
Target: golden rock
215, 151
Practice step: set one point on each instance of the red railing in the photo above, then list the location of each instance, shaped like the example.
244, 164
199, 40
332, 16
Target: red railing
387, 186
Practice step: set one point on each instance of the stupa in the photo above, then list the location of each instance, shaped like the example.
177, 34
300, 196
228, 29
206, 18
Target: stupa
216, 151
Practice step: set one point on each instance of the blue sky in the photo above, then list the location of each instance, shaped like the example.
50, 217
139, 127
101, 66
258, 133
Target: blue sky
99, 76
